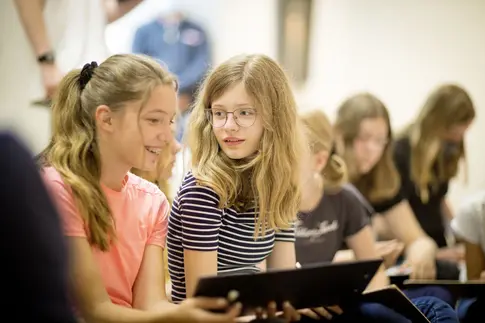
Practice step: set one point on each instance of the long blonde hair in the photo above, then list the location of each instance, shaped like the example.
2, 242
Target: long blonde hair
270, 180
73, 150
320, 135
447, 106
383, 180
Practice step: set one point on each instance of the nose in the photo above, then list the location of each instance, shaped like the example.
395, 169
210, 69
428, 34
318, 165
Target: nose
231, 124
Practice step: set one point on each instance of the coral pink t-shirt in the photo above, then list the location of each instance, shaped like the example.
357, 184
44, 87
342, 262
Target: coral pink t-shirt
140, 211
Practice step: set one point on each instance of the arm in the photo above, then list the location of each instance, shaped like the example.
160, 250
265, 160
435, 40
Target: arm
115, 9
282, 256
149, 288
405, 227
195, 70
200, 220
31, 16
364, 247
90, 294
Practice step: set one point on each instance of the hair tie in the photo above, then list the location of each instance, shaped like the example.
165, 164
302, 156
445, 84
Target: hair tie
86, 74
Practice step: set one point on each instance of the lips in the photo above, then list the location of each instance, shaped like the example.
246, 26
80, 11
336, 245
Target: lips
233, 140
154, 150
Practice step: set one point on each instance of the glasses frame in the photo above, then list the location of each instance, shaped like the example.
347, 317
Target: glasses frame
208, 113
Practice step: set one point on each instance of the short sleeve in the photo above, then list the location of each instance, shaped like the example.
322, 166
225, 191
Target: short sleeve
356, 213
72, 222
158, 235
385, 205
466, 223
286, 235
200, 218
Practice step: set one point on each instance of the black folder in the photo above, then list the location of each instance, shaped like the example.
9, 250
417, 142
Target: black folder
471, 288
393, 298
311, 286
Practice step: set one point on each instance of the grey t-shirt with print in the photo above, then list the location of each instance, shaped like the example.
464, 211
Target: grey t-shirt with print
322, 232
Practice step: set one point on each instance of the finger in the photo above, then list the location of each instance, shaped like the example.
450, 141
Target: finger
272, 309
235, 310
336, 309
323, 312
290, 312
208, 303
258, 312
309, 313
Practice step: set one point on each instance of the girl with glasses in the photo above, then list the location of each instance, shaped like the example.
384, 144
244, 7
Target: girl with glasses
237, 206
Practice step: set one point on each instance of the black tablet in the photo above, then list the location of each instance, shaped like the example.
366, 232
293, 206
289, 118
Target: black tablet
311, 286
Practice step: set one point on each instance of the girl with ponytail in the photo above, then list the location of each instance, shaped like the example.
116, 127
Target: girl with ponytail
107, 120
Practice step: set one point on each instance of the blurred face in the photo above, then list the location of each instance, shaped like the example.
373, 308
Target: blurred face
456, 133
370, 143
236, 123
136, 137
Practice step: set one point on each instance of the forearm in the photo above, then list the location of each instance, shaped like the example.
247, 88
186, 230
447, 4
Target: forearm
162, 307
422, 245
30, 12
108, 312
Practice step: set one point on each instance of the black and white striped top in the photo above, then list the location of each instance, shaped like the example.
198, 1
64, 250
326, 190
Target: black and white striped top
196, 223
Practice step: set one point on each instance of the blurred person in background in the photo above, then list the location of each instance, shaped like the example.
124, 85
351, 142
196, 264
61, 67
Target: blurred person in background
41, 40
181, 44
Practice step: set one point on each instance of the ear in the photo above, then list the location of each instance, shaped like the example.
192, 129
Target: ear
321, 159
103, 116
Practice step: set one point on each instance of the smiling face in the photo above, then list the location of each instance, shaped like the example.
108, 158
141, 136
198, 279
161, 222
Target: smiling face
236, 123
136, 136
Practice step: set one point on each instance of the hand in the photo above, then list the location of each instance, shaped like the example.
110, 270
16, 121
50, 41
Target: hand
319, 312
389, 251
421, 257
289, 313
198, 310
453, 254
51, 76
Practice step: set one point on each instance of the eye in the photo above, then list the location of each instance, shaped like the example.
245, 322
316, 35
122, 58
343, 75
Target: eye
154, 121
246, 112
217, 113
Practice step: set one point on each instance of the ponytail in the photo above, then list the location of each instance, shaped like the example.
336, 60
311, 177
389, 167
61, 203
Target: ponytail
73, 152
335, 172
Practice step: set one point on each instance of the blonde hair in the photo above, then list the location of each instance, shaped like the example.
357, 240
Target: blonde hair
383, 180
320, 135
269, 181
447, 106
73, 149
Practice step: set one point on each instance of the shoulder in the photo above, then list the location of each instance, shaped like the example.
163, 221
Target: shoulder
53, 180
192, 189
351, 196
145, 188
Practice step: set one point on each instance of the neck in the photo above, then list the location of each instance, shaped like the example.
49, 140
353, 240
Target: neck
312, 194
113, 171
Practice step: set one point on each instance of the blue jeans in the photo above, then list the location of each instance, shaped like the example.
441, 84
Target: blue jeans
471, 310
435, 310
435, 291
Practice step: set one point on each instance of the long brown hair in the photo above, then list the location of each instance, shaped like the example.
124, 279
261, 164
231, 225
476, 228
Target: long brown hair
73, 149
320, 135
270, 179
383, 180
447, 106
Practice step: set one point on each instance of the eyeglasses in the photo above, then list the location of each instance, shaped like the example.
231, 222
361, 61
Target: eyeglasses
244, 117
378, 142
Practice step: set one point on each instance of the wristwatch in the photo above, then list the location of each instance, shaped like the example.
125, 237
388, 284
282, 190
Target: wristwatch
46, 58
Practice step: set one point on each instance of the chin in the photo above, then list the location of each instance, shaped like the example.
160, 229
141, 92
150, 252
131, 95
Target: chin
236, 155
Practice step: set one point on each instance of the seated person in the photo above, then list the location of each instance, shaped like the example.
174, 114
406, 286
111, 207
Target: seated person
334, 213
469, 226
33, 246
108, 119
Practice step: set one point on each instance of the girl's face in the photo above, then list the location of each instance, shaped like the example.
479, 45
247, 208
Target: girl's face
370, 143
236, 123
137, 137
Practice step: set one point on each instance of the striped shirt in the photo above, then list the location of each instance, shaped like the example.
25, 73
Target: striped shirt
197, 223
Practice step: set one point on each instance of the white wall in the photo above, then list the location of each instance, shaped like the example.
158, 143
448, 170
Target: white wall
398, 50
